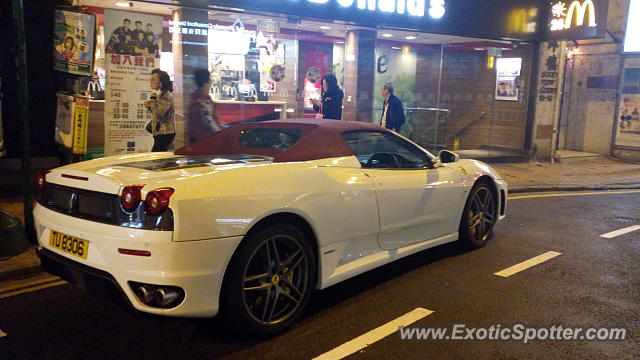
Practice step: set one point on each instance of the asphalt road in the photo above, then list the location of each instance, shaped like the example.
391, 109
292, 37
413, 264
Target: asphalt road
595, 282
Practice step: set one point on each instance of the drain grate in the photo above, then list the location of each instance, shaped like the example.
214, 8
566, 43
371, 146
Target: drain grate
623, 219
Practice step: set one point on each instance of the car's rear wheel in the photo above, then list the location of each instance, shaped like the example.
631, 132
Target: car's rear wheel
479, 216
269, 280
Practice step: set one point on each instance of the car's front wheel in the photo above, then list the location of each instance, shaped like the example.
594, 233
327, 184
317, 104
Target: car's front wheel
479, 216
269, 280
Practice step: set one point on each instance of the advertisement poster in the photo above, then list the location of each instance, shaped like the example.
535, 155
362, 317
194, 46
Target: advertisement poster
64, 117
74, 42
628, 122
507, 70
132, 43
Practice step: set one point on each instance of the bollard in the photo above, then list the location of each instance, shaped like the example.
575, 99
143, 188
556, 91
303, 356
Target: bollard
13, 238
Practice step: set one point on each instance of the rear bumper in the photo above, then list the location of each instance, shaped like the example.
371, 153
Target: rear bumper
197, 267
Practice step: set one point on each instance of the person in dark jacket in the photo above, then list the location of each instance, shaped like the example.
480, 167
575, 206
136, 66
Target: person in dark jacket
201, 120
331, 105
392, 112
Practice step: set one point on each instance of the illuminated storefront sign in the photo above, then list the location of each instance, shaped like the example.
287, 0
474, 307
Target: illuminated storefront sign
475, 18
411, 7
577, 19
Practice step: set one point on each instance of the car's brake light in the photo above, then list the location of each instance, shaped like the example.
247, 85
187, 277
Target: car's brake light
41, 179
130, 197
158, 200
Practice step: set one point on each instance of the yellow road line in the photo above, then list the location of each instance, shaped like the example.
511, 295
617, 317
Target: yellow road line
29, 283
604, 192
35, 288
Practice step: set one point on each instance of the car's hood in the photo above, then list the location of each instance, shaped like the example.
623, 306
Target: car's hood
111, 173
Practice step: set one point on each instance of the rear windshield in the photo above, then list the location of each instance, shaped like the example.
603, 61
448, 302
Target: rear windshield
269, 138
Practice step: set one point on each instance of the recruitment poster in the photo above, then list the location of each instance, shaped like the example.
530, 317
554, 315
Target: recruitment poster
628, 122
73, 42
132, 43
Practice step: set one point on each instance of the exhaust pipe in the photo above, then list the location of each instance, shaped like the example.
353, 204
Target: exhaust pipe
145, 293
166, 296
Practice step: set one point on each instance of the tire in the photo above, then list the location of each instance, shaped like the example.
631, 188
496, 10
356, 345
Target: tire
479, 216
269, 281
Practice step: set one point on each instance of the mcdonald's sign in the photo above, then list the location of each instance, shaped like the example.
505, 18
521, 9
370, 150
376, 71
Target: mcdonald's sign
577, 19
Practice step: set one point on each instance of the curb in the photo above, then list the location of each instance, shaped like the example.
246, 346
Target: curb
551, 188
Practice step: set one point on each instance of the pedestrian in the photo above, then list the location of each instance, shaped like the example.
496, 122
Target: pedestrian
162, 125
201, 121
331, 105
393, 113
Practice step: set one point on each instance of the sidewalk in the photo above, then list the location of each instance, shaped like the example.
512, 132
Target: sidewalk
597, 174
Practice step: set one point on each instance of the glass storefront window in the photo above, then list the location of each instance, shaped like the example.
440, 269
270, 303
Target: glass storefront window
269, 66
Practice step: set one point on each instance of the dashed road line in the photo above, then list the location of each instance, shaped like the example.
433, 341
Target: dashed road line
374, 335
527, 264
611, 235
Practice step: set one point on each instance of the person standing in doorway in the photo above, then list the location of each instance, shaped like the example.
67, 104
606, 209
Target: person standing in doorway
392, 112
162, 108
201, 120
331, 105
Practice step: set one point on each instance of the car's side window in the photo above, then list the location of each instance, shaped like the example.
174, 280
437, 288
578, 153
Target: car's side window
385, 151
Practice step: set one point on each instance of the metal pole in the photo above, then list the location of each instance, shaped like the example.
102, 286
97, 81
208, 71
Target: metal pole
23, 106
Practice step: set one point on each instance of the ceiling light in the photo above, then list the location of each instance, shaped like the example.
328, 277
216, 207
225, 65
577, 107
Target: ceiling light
387, 35
325, 27
124, 4
478, 49
410, 37
396, 48
340, 42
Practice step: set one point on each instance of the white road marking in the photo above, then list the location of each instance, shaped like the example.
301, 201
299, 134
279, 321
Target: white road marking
374, 335
527, 264
2, 333
626, 230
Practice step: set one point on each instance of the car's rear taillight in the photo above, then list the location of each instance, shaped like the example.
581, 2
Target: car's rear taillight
41, 179
158, 200
130, 197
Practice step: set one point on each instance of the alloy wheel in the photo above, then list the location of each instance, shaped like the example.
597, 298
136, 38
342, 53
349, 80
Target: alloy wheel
275, 279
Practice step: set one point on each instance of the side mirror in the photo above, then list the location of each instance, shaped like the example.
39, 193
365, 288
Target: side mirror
447, 156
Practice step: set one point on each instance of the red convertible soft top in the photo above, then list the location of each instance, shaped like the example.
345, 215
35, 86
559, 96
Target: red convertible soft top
319, 139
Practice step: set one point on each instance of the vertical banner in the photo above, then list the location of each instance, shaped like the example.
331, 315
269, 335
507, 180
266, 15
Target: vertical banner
628, 124
132, 43
74, 42
80, 125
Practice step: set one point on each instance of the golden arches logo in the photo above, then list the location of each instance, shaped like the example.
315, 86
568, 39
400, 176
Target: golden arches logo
581, 10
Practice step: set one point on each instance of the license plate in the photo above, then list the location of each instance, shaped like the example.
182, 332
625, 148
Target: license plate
69, 244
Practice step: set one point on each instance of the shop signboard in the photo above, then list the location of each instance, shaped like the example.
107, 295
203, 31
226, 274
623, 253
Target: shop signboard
628, 121
80, 125
3, 151
74, 42
577, 19
132, 52
517, 19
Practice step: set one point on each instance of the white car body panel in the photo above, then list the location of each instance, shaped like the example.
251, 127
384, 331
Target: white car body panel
215, 206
